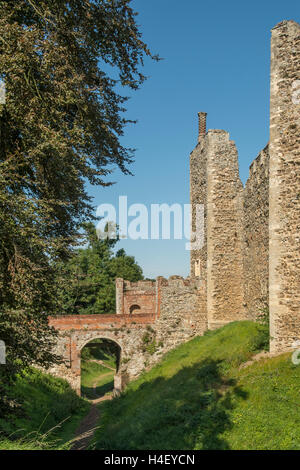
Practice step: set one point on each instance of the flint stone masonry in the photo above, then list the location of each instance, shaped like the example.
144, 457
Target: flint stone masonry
284, 227
256, 236
215, 183
250, 261
224, 234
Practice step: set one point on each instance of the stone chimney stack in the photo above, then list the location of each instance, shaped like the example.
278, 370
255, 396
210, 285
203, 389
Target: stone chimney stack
202, 125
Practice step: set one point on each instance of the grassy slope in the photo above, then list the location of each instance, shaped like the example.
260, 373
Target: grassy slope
96, 352
92, 372
197, 398
46, 402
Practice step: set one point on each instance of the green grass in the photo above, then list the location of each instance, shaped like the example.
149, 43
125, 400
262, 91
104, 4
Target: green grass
95, 351
92, 372
269, 418
197, 398
95, 373
48, 414
105, 384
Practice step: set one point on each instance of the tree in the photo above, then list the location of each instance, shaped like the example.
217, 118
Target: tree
59, 128
88, 285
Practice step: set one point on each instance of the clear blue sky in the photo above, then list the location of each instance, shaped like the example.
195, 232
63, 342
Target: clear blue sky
216, 59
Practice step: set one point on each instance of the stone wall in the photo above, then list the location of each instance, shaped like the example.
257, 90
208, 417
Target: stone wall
251, 257
256, 236
180, 316
182, 312
75, 331
198, 196
225, 297
234, 259
284, 228
143, 337
215, 183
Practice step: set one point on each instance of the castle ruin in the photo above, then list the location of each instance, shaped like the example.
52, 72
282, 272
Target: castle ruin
250, 261
251, 258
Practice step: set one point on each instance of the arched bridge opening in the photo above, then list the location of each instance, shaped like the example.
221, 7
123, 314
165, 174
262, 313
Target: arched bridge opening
100, 361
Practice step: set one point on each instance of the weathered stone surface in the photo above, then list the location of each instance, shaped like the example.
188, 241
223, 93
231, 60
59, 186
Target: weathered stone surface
284, 228
224, 231
215, 183
256, 236
251, 258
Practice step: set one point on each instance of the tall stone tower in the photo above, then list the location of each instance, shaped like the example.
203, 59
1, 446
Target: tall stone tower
250, 258
284, 192
215, 183
198, 197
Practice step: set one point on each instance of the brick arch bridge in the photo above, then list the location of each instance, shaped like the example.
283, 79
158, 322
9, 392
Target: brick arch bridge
171, 312
76, 331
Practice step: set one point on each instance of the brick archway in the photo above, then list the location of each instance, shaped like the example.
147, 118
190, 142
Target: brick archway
117, 378
134, 309
175, 305
76, 331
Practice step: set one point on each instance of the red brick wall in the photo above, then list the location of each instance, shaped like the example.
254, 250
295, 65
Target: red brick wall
145, 300
140, 294
95, 322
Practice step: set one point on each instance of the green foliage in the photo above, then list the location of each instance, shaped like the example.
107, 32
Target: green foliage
60, 128
199, 398
149, 340
151, 347
264, 322
89, 277
264, 316
102, 349
47, 413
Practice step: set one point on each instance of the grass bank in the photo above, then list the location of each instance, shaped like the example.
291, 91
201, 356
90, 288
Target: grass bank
98, 366
199, 398
96, 379
47, 413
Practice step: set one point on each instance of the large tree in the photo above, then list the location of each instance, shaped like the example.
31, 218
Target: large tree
88, 278
59, 128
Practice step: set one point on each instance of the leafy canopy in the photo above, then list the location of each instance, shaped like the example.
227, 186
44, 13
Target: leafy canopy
89, 277
60, 127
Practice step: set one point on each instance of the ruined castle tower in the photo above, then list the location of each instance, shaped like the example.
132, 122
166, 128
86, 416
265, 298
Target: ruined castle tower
249, 256
250, 259
284, 226
215, 183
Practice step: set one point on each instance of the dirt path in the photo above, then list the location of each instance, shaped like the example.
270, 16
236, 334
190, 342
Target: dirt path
86, 429
259, 356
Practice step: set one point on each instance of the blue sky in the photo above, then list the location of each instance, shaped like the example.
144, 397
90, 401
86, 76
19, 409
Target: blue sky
216, 59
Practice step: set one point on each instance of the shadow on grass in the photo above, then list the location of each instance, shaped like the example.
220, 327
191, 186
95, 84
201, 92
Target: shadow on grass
190, 410
97, 352
48, 409
91, 393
